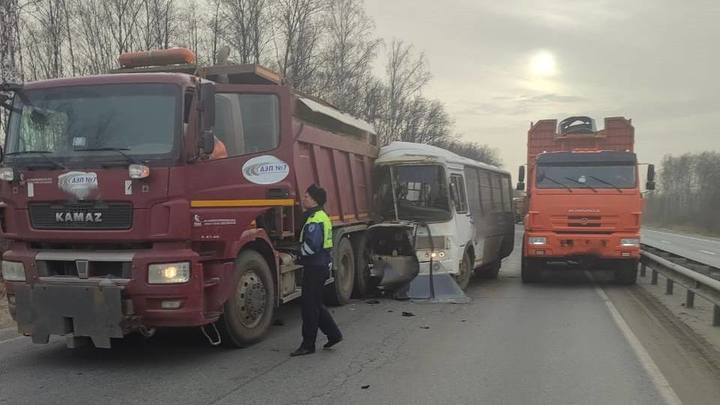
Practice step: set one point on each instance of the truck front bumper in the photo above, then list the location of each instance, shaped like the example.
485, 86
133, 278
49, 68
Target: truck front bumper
103, 307
568, 245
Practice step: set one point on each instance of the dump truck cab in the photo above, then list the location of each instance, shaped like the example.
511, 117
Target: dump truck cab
120, 219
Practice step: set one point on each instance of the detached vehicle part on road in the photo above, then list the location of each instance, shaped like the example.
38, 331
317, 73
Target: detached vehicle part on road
121, 218
584, 204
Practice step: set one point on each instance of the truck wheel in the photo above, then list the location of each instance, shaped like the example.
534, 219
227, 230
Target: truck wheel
627, 273
339, 292
363, 282
463, 278
248, 313
529, 272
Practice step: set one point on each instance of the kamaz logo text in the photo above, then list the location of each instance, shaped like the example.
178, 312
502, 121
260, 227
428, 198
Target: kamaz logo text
94, 217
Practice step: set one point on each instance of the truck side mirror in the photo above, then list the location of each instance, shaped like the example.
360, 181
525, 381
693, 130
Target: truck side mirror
650, 185
207, 118
521, 179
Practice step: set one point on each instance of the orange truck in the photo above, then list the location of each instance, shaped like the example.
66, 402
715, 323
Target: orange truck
584, 203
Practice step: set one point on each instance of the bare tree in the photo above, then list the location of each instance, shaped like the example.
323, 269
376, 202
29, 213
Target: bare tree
348, 54
406, 76
297, 36
159, 23
248, 28
9, 44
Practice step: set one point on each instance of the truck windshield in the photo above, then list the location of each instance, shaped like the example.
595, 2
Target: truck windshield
90, 123
421, 192
586, 176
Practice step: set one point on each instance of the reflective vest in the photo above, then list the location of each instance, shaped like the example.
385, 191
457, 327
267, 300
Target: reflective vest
321, 218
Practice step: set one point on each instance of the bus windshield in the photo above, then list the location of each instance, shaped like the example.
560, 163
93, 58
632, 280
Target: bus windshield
92, 123
416, 192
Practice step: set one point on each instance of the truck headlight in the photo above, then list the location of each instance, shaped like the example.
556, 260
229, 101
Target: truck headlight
630, 242
537, 240
13, 271
7, 174
169, 273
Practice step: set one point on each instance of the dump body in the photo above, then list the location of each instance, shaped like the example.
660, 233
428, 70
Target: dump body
584, 203
78, 217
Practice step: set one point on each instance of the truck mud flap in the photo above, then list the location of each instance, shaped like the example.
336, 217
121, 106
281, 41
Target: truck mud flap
80, 310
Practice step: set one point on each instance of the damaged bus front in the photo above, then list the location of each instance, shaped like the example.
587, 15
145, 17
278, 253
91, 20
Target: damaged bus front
429, 205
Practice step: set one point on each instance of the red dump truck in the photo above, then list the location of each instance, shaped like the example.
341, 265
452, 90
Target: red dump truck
584, 203
120, 219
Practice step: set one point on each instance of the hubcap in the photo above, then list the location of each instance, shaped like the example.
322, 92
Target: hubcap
252, 303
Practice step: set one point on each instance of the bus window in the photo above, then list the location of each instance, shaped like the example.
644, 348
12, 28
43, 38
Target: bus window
507, 202
485, 191
497, 204
472, 178
458, 184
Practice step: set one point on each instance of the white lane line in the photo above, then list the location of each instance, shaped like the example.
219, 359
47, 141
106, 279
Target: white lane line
12, 339
707, 252
679, 235
657, 377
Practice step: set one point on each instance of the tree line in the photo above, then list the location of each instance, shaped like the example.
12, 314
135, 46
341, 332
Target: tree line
325, 48
688, 193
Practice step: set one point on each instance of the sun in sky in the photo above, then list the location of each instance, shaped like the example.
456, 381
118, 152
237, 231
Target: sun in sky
542, 64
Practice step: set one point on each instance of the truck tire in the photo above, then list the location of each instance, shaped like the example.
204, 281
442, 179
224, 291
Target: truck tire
463, 277
363, 282
626, 274
249, 311
339, 292
530, 272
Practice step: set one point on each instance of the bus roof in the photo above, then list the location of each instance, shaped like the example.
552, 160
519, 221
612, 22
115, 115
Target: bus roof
407, 152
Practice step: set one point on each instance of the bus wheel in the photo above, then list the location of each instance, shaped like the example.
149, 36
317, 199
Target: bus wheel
489, 272
363, 282
530, 273
248, 313
463, 277
339, 292
626, 274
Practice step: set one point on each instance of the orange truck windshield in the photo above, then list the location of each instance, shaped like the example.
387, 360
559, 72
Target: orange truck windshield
586, 176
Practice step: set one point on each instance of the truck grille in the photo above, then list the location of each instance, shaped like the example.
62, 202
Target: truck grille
81, 215
585, 222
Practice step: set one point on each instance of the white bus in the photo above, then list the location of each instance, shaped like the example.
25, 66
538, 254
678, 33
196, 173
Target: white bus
462, 209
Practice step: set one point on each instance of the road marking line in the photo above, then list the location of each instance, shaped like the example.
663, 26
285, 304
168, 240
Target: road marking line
12, 339
657, 377
707, 252
683, 236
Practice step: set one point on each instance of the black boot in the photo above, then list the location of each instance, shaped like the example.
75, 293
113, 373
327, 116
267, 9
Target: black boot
302, 351
332, 342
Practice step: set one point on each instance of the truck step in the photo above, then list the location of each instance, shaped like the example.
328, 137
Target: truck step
287, 268
213, 281
293, 295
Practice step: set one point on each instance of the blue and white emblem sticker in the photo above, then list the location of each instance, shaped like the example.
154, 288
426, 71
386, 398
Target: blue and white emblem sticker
266, 169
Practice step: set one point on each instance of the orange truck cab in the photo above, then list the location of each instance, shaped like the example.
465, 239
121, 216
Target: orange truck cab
584, 203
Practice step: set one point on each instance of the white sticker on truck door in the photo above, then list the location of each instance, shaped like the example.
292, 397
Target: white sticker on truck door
265, 169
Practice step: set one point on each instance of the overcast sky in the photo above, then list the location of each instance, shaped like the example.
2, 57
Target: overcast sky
498, 65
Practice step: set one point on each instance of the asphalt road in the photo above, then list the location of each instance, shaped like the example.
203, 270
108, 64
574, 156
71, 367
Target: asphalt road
701, 249
553, 343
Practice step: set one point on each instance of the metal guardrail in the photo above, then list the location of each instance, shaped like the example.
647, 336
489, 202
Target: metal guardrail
697, 278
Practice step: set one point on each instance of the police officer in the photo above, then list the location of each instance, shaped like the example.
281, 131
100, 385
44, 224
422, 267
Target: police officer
315, 246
